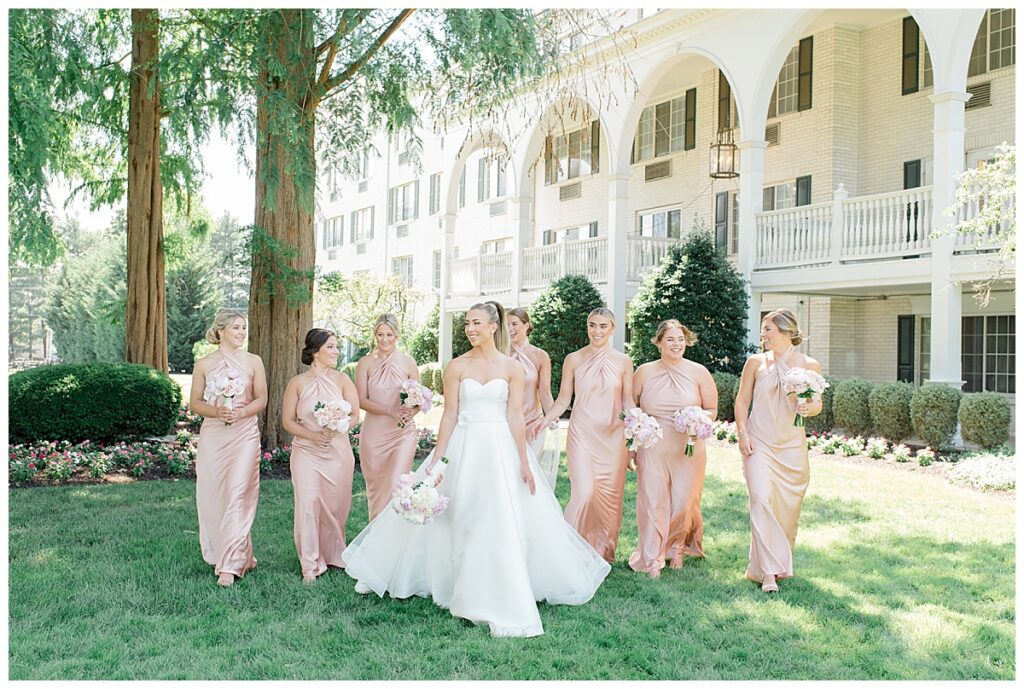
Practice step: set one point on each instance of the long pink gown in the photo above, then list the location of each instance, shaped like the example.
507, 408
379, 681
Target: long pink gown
385, 450
228, 480
532, 411
777, 473
668, 483
596, 454
322, 480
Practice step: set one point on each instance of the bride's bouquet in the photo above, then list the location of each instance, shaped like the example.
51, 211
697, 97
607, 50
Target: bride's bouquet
333, 415
414, 395
418, 501
225, 385
640, 429
805, 384
695, 423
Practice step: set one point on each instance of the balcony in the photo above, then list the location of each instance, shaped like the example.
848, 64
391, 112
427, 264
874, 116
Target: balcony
490, 274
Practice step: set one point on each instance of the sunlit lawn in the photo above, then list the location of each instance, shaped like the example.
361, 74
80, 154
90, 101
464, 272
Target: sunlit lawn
898, 576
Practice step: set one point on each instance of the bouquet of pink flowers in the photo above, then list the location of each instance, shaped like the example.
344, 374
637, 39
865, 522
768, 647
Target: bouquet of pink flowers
415, 395
805, 384
226, 384
640, 429
695, 423
418, 501
333, 415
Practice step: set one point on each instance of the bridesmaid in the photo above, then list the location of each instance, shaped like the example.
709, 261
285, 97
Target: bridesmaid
668, 483
385, 450
602, 379
228, 457
537, 393
322, 461
774, 450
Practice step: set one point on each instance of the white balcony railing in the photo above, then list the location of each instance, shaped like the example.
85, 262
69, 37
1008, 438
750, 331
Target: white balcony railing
794, 236
887, 225
496, 272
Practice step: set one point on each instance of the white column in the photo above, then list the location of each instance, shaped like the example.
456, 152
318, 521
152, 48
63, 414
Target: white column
947, 294
751, 186
618, 222
444, 328
522, 231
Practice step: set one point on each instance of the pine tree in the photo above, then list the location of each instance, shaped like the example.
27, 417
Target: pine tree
697, 285
559, 318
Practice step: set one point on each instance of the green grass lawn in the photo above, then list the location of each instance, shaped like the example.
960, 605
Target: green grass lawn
899, 576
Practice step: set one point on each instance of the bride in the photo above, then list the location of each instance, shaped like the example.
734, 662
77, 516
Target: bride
502, 544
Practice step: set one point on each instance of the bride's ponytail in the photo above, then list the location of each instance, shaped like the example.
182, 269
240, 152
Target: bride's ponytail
502, 340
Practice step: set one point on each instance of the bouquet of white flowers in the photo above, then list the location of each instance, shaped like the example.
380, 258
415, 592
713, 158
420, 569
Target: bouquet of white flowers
805, 384
415, 395
695, 423
640, 429
333, 415
418, 501
226, 384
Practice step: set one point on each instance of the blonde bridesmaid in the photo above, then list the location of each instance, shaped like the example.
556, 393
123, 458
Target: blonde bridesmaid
537, 391
601, 378
228, 458
669, 483
774, 450
386, 450
322, 462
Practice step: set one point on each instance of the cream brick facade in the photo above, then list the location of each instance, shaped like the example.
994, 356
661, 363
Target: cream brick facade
858, 133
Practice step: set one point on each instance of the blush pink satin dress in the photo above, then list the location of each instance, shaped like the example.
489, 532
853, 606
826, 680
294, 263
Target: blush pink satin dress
385, 450
322, 481
596, 453
228, 480
532, 411
668, 483
777, 473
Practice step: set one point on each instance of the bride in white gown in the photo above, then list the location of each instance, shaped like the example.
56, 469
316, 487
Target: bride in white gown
503, 543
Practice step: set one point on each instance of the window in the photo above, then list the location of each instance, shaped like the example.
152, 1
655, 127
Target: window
911, 55
404, 202
793, 89
435, 193
462, 188
437, 269
803, 191
550, 237
570, 234
364, 164
666, 128
401, 266
782, 196
499, 187
926, 348
664, 222
995, 45
360, 228
483, 179
496, 246
571, 155
987, 353
734, 231
928, 77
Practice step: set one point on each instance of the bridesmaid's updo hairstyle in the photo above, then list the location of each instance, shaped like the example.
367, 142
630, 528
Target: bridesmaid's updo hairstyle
315, 339
388, 320
223, 319
663, 327
785, 321
602, 311
496, 314
520, 313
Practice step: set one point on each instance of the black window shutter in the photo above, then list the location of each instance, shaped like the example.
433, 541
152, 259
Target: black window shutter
722, 220
911, 174
803, 191
806, 61
352, 227
595, 146
369, 233
911, 55
724, 94
691, 120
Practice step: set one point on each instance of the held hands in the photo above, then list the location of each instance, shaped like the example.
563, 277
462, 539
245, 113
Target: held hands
527, 476
227, 415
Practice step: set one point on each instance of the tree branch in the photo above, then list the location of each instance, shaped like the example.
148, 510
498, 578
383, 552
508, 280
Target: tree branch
359, 63
345, 27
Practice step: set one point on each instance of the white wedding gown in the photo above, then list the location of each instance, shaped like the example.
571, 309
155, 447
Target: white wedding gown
497, 549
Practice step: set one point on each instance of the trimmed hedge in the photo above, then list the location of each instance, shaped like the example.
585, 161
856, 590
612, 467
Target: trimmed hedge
933, 411
825, 421
728, 385
97, 401
985, 419
890, 410
850, 406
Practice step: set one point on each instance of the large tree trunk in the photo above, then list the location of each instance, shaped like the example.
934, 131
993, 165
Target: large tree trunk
280, 296
146, 302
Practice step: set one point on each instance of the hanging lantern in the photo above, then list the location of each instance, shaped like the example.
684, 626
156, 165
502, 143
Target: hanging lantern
724, 156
